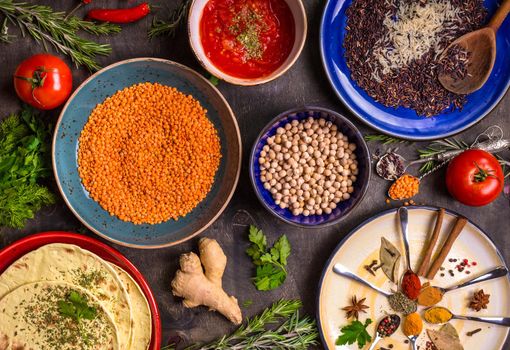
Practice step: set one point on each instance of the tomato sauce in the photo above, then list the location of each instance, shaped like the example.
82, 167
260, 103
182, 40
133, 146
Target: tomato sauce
247, 38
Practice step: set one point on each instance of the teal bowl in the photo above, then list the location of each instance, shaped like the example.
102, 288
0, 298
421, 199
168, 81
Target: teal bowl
74, 116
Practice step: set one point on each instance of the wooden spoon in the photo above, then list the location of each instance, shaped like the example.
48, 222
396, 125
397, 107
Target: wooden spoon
481, 47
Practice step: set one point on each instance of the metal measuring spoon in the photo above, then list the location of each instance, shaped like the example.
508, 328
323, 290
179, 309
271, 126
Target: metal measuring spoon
385, 328
344, 271
497, 272
413, 339
500, 321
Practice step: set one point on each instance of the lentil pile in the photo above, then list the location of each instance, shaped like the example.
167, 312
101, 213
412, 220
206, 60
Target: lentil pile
148, 154
393, 49
309, 166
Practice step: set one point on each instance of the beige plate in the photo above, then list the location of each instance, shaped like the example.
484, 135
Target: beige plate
361, 246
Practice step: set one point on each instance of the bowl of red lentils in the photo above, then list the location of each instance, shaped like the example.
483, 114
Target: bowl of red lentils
310, 167
147, 153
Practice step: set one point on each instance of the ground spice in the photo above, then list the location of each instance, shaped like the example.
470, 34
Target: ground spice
437, 315
413, 324
404, 187
430, 296
148, 154
411, 285
400, 303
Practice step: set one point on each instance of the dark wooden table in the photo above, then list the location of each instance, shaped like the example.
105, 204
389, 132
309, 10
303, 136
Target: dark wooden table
304, 84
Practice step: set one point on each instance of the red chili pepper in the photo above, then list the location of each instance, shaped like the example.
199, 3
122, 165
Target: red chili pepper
128, 15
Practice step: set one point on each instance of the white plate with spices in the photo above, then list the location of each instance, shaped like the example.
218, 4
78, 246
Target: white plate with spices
360, 247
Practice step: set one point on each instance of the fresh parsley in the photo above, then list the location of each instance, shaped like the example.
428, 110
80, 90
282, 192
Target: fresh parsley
356, 332
24, 160
76, 307
271, 263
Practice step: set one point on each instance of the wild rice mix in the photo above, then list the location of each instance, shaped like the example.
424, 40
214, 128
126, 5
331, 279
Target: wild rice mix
392, 49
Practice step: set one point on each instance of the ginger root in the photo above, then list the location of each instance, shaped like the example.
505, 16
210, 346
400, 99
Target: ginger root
204, 288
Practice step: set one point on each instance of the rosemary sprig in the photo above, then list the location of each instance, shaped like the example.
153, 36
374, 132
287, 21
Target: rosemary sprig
169, 27
47, 26
505, 165
385, 139
294, 332
438, 147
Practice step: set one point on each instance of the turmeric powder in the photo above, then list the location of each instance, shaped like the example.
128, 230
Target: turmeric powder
413, 324
437, 315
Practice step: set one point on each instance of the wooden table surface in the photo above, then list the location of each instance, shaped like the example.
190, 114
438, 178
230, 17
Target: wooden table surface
304, 84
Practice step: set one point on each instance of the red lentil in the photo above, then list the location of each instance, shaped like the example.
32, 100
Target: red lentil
148, 154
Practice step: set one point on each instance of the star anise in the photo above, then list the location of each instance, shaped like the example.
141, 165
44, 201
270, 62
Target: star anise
479, 301
355, 308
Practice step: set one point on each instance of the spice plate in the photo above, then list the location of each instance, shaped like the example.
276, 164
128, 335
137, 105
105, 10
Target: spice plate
75, 115
403, 122
361, 246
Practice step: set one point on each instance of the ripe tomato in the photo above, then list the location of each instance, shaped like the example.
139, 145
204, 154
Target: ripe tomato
43, 81
475, 178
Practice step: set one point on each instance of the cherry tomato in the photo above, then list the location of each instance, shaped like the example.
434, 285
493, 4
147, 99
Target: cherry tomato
475, 178
43, 81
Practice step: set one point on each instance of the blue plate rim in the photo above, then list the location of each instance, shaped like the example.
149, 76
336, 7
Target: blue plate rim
57, 178
339, 94
366, 150
369, 220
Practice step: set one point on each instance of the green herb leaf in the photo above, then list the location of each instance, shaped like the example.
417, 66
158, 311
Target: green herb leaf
356, 332
271, 272
24, 160
214, 80
76, 307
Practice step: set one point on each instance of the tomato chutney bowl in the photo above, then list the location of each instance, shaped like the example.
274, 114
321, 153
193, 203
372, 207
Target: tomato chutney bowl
247, 42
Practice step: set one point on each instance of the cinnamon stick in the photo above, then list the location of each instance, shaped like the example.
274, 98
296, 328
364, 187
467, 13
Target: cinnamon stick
424, 267
457, 229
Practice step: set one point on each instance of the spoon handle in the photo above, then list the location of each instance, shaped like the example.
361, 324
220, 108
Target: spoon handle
403, 216
374, 343
500, 321
500, 15
344, 271
499, 271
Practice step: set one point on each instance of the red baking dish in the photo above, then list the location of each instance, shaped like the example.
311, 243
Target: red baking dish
13, 252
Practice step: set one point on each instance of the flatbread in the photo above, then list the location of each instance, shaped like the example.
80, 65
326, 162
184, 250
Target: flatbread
141, 331
31, 319
71, 264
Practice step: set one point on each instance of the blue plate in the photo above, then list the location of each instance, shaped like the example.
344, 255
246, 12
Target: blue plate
74, 116
344, 207
404, 122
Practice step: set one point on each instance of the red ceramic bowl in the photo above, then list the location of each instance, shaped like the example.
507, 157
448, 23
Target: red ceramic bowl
13, 252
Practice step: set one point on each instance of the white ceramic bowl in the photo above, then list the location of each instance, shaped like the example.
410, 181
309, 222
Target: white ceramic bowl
195, 15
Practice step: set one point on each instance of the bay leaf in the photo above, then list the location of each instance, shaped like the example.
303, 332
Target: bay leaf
390, 258
444, 340
449, 329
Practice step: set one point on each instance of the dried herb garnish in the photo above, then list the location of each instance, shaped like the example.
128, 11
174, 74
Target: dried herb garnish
356, 307
479, 301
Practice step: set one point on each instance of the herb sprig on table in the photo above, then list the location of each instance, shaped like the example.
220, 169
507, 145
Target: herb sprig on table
24, 160
271, 263
277, 327
169, 26
49, 27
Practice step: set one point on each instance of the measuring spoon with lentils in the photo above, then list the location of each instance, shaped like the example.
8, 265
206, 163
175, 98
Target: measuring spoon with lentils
386, 327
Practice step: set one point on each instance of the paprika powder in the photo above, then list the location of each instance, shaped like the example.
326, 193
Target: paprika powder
411, 285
